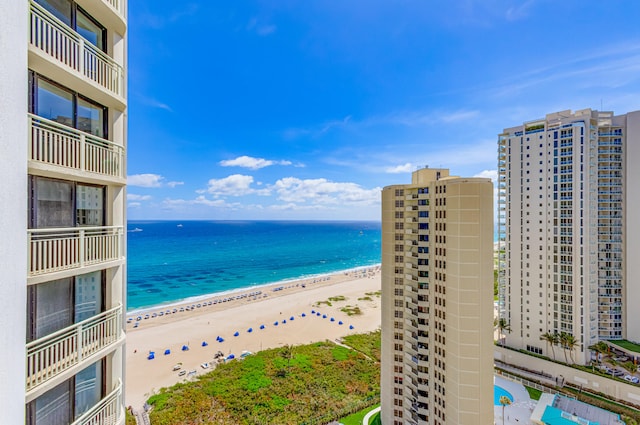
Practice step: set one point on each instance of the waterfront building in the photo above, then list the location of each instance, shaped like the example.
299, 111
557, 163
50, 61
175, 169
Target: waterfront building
63, 115
437, 310
568, 203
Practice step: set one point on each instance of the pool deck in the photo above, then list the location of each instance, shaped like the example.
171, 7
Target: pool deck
519, 412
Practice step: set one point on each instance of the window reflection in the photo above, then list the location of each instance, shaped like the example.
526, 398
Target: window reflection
90, 30
90, 118
54, 103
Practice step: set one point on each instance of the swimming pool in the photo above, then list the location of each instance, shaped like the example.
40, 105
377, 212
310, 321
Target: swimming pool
499, 392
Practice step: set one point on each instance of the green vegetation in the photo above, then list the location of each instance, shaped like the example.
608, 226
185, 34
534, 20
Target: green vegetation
374, 294
330, 300
314, 383
367, 344
533, 393
319, 303
129, 418
627, 345
338, 298
356, 418
365, 298
375, 420
351, 310
495, 285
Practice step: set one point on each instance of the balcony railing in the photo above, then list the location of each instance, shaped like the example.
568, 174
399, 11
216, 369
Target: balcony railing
53, 250
118, 5
56, 144
51, 355
107, 411
69, 48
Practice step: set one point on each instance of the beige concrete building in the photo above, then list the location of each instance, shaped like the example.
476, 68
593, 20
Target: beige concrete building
437, 311
62, 162
568, 230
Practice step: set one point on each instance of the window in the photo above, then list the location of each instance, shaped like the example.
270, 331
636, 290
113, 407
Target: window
57, 103
70, 399
61, 203
77, 19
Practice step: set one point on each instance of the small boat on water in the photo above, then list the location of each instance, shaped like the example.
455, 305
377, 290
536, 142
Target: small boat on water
179, 225
137, 229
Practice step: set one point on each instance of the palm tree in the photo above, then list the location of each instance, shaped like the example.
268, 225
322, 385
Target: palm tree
503, 326
504, 402
571, 343
551, 339
600, 348
562, 338
630, 366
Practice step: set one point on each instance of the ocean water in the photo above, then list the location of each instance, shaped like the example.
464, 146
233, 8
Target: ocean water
169, 261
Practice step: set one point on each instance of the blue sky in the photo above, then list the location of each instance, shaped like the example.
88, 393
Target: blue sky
305, 109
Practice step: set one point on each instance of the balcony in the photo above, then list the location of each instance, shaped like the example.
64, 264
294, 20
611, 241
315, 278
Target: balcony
107, 411
68, 48
54, 250
56, 144
53, 354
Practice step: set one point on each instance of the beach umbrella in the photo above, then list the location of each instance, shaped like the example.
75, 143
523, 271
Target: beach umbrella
221, 340
236, 334
167, 352
291, 318
318, 314
231, 357
185, 348
151, 355
303, 315
333, 320
250, 330
275, 323
350, 326
313, 312
324, 316
284, 321
261, 326
204, 343
340, 322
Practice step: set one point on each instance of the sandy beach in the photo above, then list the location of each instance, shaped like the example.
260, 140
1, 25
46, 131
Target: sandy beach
275, 303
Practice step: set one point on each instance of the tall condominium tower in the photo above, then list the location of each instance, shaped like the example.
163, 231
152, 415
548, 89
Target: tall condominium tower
569, 202
437, 291
62, 162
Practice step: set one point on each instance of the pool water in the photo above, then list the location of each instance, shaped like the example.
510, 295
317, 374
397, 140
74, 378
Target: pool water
499, 392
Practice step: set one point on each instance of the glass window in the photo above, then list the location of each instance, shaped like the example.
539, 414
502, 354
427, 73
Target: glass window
89, 205
90, 118
61, 9
52, 203
89, 29
88, 298
88, 388
54, 103
51, 308
53, 407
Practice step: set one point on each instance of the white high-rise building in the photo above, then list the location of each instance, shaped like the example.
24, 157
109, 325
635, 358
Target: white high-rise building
437, 291
63, 121
569, 202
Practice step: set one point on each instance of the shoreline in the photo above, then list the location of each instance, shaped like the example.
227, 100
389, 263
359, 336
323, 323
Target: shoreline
248, 324
136, 311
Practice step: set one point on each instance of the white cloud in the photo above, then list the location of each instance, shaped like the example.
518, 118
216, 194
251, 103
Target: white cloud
251, 163
145, 180
234, 185
200, 200
406, 168
150, 180
134, 204
491, 174
323, 191
134, 197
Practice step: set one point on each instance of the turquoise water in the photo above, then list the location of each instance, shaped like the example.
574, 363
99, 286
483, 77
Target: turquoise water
169, 261
499, 392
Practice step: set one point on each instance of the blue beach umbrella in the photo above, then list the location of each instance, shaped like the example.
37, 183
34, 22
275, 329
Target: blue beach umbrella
324, 316
318, 314
313, 312
218, 338
333, 320
291, 318
185, 348
204, 343
350, 326
250, 330
303, 315
236, 334
275, 323
221, 340
284, 321
167, 352
340, 322
261, 326
151, 355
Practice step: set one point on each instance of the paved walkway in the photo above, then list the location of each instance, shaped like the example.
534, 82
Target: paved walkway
519, 412
367, 417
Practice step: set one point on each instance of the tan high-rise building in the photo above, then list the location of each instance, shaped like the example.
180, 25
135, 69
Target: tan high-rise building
437, 292
569, 230
63, 121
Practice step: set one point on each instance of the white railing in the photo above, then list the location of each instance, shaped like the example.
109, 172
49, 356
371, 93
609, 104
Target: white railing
51, 355
52, 250
68, 47
116, 4
57, 144
108, 411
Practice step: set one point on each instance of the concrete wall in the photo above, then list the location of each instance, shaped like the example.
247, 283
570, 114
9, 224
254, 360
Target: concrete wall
632, 226
13, 213
613, 388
